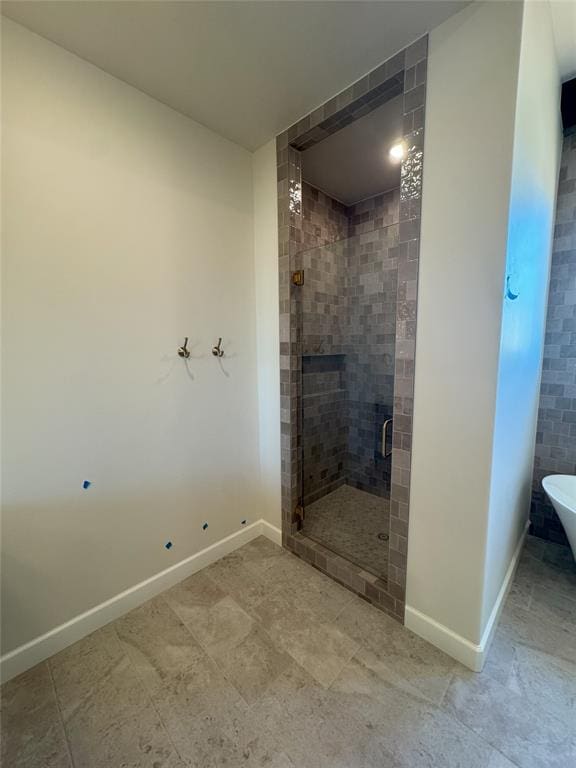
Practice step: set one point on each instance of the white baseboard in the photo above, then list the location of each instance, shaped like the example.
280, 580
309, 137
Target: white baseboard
470, 654
492, 623
443, 637
35, 651
271, 532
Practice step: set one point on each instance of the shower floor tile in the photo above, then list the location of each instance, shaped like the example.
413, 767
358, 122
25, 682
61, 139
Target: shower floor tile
348, 522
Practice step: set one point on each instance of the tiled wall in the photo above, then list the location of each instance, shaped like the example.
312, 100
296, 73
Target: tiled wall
371, 342
324, 425
376, 212
324, 220
348, 339
324, 319
556, 435
404, 73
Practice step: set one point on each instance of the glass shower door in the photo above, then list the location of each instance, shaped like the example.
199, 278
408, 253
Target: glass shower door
348, 327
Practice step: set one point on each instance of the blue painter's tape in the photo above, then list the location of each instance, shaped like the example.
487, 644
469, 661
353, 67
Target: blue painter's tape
168, 545
86, 484
205, 526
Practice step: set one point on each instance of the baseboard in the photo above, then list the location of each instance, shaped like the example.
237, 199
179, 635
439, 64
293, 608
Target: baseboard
443, 637
271, 532
35, 651
470, 654
492, 623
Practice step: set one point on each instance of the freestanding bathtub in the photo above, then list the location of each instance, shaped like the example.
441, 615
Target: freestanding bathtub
561, 490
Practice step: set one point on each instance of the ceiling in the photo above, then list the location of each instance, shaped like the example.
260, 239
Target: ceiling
353, 164
247, 70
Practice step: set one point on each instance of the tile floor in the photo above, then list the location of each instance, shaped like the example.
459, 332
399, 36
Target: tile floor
260, 660
348, 522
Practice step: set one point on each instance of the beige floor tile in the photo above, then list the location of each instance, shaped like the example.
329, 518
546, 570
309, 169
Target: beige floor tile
32, 734
546, 682
139, 741
78, 670
260, 555
321, 733
240, 647
318, 646
253, 664
524, 733
157, 642
532, 629
398, 653
500, 657
414, 732
192, 599
201, 688
222, 627
235, 576
261, 660
554, 606
114, 723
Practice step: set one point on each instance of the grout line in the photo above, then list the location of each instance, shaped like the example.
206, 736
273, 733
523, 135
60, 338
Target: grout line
145, 688
201, 644
60, 715
345, 664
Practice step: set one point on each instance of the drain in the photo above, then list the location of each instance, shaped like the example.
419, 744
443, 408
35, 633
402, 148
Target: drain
383, 536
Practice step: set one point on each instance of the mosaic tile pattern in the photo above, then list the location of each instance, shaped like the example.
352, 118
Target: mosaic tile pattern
555, 451
348, 522
410, 64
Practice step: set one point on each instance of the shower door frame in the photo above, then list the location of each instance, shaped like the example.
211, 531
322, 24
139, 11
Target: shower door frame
403, 74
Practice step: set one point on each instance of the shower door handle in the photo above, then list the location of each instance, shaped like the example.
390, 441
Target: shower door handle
384, 435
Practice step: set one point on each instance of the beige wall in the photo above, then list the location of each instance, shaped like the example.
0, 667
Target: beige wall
267, 326
125, 227
467, 166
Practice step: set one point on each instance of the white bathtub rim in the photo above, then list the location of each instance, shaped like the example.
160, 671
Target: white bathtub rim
556, 490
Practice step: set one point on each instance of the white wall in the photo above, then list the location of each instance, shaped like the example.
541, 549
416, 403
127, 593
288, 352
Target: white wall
126, 227
491, 158
537, 148
472, 79
267, 327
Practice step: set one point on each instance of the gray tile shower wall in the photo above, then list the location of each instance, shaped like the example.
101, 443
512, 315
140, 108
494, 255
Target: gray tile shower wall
555, 451
323, 312
372, 278
374, 213
348, 329
324, 425
324, 220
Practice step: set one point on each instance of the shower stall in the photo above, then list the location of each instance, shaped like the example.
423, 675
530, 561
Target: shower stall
349, 192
